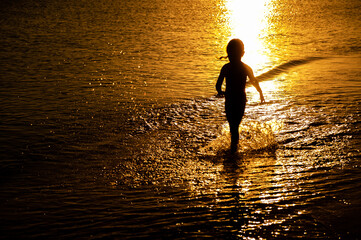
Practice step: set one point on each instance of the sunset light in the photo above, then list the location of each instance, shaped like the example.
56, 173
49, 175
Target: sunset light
248, 22
143, 119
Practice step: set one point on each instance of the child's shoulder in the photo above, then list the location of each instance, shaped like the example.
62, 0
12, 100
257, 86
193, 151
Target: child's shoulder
226, 66
245, 65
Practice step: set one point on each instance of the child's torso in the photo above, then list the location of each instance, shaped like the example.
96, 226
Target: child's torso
236, 77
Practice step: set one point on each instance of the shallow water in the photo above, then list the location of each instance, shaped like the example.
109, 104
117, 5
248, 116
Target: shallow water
111, 128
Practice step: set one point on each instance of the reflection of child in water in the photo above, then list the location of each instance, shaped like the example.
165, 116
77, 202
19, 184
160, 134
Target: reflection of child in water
236, 73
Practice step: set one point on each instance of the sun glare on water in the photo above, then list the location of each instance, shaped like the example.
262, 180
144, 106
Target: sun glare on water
247, 21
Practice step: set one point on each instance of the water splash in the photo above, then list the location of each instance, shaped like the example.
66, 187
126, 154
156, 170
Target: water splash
254, 136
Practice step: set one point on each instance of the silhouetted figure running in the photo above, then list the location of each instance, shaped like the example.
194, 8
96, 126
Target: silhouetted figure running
236, 73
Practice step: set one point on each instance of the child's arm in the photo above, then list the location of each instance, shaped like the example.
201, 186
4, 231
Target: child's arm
254, 82
219, 83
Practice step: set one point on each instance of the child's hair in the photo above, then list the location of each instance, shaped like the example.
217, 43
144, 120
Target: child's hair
235, 50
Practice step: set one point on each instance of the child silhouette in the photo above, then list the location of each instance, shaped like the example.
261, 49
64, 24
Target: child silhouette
236, 73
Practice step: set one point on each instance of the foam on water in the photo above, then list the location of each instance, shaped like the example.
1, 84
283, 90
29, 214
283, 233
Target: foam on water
254, 136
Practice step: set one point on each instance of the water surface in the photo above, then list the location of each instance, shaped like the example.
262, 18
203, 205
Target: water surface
111, 128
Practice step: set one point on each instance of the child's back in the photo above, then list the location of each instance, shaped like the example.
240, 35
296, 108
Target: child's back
236, 77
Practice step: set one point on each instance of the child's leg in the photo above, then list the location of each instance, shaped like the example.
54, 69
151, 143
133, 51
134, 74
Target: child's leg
233, 127
234, 113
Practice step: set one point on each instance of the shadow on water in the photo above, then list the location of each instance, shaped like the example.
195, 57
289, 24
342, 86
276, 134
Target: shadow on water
240, 211
233, 167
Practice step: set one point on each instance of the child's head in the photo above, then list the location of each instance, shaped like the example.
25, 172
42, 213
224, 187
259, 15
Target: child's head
235, 50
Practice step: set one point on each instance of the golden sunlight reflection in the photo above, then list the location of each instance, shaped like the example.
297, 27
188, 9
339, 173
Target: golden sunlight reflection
248, 22
271, 89
255, 136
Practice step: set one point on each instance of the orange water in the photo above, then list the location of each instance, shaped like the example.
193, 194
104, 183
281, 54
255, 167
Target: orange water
110, 127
